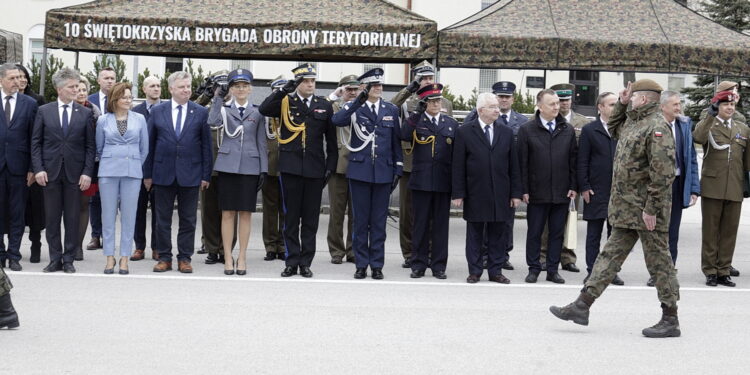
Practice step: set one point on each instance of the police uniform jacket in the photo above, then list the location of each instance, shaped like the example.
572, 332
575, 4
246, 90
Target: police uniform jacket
485, 176
723, 170
382, 159
245, 154
311, 161
596, 153
431, 162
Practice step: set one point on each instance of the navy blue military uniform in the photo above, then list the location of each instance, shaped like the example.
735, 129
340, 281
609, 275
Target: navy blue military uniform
432, 153
371, 171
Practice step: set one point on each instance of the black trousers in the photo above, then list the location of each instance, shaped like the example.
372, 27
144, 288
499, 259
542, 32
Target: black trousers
537, 215
187, 206
594, 229
497, 251
431, 213
301, 198
62, 202
140, 219
13, 192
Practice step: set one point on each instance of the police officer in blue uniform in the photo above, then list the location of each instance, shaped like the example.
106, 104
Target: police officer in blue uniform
431, 136
375, 165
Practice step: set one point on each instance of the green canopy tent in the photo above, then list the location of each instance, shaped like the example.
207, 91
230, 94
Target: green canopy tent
605, 35
301, 30
11, 47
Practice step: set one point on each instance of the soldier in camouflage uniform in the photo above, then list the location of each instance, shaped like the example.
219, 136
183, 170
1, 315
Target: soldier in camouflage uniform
8, 316
639, 208
407, 99
565, 92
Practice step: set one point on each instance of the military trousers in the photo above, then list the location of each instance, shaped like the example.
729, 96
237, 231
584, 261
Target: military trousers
405, 218
5, 284
656, 254
273, 216
301, 198
211, 219
721, 219
341, 205
430, 231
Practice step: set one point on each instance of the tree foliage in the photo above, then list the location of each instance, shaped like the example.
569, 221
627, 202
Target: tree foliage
111, 61
35, 70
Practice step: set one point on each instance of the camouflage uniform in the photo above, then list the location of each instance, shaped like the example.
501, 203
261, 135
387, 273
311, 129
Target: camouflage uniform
5, 284
643, 172
408, 103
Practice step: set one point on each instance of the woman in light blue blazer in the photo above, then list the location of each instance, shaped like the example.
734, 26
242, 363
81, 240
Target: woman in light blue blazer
121, 147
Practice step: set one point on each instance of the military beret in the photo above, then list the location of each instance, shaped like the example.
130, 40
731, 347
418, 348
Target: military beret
503, 88
374, 75
726, 85
723, 96
646, 85
349, 81
279, 81
433, 91
564, 90
305, 70
240, 75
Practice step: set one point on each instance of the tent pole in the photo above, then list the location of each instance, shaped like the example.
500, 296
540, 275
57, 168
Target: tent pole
43, 71
545, 78
76, 64
716, 82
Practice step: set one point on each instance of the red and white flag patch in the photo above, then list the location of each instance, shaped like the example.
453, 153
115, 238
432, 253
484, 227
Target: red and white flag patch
657, 134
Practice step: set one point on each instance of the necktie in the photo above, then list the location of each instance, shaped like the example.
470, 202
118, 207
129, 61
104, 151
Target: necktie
505, 119
65, 120
148, 107
104, 105
434, 122
7, 109
487, 133
242, 111
305, 101
178, 125
372, 107
726, 123
549, 125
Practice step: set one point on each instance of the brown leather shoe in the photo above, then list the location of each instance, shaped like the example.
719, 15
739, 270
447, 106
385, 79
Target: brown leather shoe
137, 255
94, 244
184, 266
499, 278
163, 267
154, 254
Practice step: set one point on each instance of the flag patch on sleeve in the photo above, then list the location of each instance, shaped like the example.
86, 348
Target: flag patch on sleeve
657, 134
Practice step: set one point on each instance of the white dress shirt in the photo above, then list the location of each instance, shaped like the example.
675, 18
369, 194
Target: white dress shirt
377, 106
60, 110
12, 102
102, 98
174, 115
545, 121
437, 119
606, 130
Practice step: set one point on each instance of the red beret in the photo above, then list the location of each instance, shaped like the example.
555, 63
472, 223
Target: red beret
723, 96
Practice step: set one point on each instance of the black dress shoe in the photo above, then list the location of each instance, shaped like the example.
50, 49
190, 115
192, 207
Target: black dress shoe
337, 260
269, 256
532, 277
711, 280
571, 267
416, 274
499, 278
53, 266
726, 281
350, 259
289, 271
304, 271
472, 279
14, 265
281, 256
734, 272
555, 278
406, 264
439, 275
212, 258
651, 281
68, 268
36, 251
617, 280
202, 250
377, 273
508, 266
360, 273
79, 255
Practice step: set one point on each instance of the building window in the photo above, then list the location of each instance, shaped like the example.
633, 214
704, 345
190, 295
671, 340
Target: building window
242, 64
367, 67
534, 82
487, 3
676, 83
37, 49
173, 64
487, 78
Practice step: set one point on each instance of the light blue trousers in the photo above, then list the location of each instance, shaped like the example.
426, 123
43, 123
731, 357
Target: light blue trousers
119, 193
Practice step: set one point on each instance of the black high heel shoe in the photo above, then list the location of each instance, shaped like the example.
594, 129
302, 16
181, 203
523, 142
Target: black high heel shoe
230, 272
123, 271
109, 271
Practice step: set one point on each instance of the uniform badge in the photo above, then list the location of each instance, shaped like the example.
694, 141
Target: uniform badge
657, 134
387, 118
448, 141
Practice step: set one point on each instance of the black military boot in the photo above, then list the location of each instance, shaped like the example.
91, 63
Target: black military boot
577, 311
8, 316
668, 326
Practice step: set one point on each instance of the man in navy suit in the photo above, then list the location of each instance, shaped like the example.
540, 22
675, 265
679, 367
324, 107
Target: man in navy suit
178, 164
106, 80
16, 124
63, 147
375, 165
152, 89
486, 181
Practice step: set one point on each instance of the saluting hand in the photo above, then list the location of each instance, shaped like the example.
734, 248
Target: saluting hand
626, 93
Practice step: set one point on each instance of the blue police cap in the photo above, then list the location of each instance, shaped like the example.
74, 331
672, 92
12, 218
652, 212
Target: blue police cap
374, 75
503, 88
240, 75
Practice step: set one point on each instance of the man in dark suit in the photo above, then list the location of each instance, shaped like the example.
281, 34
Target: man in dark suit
178, 164
62, 156
304, 166
16, 124
596, 154
152, 89
106, 80
486, 181
547, 151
